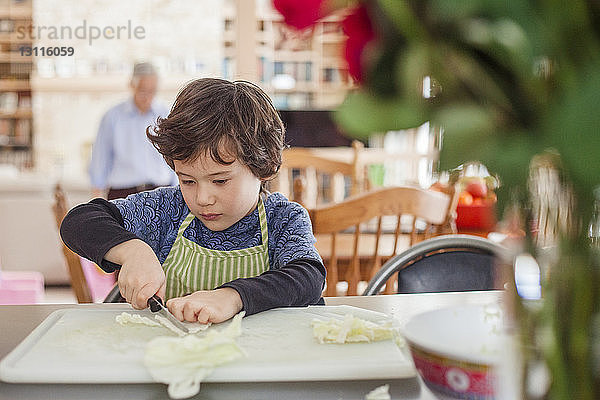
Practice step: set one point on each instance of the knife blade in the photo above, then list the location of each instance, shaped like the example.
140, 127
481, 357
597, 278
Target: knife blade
156, 306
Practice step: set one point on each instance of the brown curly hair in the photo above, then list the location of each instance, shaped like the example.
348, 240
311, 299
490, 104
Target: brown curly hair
222, 118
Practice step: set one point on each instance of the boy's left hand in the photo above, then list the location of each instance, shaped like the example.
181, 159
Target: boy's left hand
206, 306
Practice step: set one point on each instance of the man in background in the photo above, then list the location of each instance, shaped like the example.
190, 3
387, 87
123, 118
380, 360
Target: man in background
123, 159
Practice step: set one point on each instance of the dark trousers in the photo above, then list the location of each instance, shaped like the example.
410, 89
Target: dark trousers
122, 193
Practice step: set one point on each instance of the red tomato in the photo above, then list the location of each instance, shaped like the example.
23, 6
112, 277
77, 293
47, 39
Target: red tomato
477, 188
465, 198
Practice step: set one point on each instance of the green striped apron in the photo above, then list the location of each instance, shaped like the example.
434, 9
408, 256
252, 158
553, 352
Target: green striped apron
190, 267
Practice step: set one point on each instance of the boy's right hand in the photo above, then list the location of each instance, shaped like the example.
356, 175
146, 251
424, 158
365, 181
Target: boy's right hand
141, 275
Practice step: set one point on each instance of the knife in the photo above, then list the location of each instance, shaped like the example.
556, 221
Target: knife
156, 306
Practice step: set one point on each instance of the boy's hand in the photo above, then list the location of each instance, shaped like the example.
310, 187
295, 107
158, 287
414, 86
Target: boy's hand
206, 306
141, 274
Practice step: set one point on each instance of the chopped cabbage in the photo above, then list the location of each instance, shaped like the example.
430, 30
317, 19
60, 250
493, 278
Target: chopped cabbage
128, 318
379, 393
351, 329
183, 362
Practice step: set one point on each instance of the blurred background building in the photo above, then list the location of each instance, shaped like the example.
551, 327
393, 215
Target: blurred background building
51, 103
50, 106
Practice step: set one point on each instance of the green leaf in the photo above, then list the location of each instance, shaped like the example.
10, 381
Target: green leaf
572, 128
411, 66
401, 15
477, 78
362, 114
461, 120
454, 10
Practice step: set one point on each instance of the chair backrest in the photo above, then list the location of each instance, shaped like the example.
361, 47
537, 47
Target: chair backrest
351, 235
78, 280
317, 176
444, 264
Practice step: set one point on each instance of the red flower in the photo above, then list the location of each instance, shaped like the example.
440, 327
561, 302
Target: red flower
300, 13
359, 30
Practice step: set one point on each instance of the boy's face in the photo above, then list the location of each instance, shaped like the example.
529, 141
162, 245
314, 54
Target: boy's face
218, 195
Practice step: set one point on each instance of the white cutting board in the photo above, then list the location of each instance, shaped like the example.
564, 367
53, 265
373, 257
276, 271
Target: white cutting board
89, 346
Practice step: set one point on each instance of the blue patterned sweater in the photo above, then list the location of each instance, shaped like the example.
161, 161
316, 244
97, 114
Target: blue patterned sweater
155, 217
296, 275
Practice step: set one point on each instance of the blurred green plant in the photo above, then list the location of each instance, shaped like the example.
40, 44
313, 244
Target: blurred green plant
508, 81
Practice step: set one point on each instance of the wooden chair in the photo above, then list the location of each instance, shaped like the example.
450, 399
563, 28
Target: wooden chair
317, 176
86, 291
447, 263
314, 176
347, 238
78, 280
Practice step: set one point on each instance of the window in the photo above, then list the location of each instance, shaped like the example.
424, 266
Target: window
330, 75
277, 68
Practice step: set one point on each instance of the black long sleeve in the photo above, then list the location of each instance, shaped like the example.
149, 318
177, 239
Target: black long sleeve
92, 229
298, 283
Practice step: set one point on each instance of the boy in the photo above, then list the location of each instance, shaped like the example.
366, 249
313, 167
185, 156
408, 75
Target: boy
218, 243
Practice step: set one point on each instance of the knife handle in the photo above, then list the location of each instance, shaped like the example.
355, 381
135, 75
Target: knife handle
155, 303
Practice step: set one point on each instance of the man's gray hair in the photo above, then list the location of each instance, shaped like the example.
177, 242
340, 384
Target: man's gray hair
142, 69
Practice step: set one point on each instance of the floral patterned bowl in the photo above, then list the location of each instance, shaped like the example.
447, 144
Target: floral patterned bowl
457, 350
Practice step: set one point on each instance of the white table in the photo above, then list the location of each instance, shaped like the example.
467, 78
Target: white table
19, 321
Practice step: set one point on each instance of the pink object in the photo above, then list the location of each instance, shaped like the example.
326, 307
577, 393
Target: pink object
99, 282
21, 287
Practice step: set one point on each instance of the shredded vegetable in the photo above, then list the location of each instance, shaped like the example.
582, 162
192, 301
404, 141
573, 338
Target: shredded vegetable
128, 318
379, 393
350, 330
184, 362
